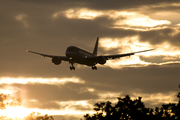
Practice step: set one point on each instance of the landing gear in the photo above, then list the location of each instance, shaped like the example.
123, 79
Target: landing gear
94, 68
72, 67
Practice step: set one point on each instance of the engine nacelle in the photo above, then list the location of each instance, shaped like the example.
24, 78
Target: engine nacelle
101, 60
56, 60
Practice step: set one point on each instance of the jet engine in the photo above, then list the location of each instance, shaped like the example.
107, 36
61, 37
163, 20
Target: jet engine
101, 60
56, 60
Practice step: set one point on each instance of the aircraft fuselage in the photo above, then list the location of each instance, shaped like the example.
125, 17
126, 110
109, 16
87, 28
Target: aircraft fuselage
77, 55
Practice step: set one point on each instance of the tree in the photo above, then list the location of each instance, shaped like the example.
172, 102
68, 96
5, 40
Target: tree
128, 109
37, 116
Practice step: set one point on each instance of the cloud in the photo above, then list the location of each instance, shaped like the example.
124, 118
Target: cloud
138, 20
21, 18
80, 13
158, 99
51, 81
53, 92
51, 26
133, 44
121, 19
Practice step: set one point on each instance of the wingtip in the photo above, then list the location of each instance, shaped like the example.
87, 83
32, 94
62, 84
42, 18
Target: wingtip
26, 50
144, 50
152, 49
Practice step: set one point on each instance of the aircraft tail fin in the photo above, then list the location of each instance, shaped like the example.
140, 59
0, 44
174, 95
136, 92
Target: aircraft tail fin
96, 47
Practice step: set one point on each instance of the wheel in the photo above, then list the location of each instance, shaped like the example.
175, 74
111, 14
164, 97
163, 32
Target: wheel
73, 67
95, 67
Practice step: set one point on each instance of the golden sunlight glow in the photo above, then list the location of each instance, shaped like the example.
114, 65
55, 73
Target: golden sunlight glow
130, 19
15, 112
52, 81
158, 97
165, 15
132, 44
109, 95
137, 19
79, 13
68, 104
133, 61
90, 89
5, 91
109, 43
125, 45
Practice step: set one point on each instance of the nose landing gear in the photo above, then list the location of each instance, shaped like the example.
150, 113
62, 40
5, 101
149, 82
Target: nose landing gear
94, 67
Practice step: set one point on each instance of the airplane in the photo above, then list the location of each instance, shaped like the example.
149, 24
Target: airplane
80, 56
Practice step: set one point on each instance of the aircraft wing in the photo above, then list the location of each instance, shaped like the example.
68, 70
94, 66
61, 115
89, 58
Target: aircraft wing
51, 56
107, 57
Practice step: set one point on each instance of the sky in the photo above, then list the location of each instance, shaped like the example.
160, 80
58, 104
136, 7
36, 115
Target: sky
122, 26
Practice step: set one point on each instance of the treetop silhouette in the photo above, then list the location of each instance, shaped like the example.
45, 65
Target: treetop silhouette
128, 109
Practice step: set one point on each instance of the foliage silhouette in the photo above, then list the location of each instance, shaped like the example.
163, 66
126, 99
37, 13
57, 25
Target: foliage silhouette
37, 116
4, 101
128, 109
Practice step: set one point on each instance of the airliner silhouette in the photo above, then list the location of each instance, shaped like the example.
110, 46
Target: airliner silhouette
77, 55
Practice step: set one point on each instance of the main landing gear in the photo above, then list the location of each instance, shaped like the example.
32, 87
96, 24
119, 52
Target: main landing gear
94, 67
72, 67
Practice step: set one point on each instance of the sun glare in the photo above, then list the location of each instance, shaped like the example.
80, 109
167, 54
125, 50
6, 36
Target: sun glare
15, 112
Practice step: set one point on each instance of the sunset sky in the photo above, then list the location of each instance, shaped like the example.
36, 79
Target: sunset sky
50, 26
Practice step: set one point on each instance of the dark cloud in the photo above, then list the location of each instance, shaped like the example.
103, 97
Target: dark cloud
148, 79
42, 105
160, 59
162, 8
81, 107
160, 36
157, 103
100, 5
67, 117
45, 93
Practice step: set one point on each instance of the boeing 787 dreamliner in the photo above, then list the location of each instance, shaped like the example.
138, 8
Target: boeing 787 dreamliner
77, 55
